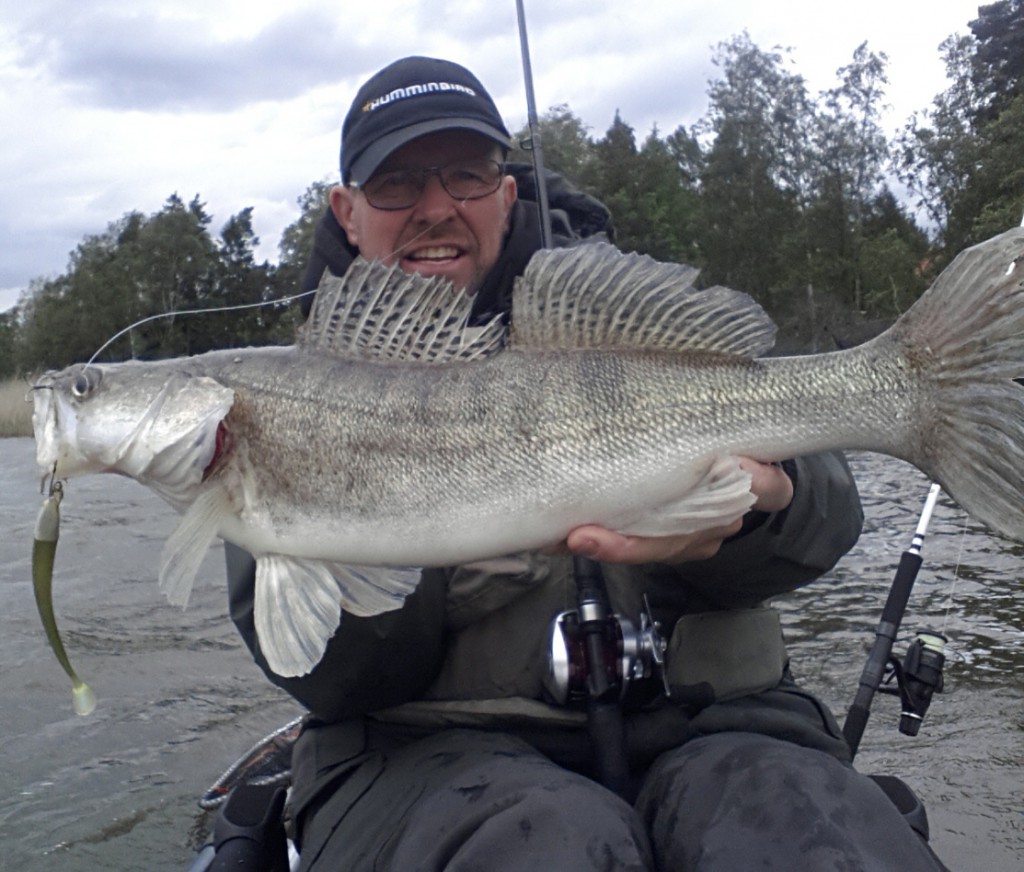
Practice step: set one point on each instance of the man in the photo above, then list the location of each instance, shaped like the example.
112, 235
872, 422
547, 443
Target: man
436, 741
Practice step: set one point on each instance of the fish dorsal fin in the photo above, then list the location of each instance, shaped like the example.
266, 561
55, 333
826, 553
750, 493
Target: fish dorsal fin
594, 296
380, 312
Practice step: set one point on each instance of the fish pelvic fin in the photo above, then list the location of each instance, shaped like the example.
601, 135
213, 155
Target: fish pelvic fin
965, 335
186, 547
380, 312
721, 496
594, 296
298, 605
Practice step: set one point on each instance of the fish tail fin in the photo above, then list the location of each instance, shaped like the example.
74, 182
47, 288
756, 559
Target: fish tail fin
970, 324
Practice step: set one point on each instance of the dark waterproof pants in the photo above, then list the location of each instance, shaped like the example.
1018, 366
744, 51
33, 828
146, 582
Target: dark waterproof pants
466, 800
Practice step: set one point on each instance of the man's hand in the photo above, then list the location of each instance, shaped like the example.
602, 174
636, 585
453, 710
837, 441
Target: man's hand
770, 484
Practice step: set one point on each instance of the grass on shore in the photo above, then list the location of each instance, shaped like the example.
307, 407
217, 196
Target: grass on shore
15, 412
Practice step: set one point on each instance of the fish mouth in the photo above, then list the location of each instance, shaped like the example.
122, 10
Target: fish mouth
44, 422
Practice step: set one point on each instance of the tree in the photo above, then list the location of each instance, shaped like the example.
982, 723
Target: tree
140, 267
9, 364
296, 244
566, 146
995, 192
937, 151
852, 152
174, 261
893, 253
962, 159
997, 66
668, 203
748, 202
243, 287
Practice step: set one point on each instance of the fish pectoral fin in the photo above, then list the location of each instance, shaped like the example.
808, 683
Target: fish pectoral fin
720, 497
186, 547
299, 602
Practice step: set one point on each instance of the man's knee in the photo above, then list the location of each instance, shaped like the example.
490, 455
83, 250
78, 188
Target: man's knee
722, 799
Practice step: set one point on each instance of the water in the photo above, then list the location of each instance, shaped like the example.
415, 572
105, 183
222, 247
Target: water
179, 699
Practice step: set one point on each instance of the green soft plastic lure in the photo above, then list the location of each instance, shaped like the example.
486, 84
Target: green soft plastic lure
44, 547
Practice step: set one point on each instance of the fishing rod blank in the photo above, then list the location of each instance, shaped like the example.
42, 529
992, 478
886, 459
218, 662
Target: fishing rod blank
535, 136
885, 635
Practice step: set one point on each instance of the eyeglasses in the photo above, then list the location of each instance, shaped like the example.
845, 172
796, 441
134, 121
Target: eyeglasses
400, 189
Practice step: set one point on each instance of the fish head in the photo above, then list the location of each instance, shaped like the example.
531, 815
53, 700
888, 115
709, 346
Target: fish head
156, 422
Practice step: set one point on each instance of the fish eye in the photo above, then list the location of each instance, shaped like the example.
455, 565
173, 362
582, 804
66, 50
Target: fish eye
85, 382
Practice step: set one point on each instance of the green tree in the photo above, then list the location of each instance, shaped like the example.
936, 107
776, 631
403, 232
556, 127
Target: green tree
139, 267
566, 145
997, 65
852, 152
245, 288
894, 258
748, 200
9, 363
937, 151
296, 243
667, 205
996, 189
963, 157
173, 260
614, 177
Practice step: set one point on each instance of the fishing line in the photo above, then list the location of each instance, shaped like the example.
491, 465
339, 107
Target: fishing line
240, 306
175, 313
956, 572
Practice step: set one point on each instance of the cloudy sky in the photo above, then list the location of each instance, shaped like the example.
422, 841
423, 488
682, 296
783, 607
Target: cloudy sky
110, 106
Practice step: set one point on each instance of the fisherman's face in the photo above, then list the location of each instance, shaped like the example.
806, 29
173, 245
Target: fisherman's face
438, 235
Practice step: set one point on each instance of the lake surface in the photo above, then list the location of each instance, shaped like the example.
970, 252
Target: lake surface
180, 699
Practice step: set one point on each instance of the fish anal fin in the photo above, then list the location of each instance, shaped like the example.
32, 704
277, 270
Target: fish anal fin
720, 497
299, 602
186, 547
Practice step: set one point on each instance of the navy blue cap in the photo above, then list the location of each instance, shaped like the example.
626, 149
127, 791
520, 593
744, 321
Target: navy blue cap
410, 98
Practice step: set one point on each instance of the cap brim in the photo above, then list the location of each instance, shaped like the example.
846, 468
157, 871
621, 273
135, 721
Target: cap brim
366, 164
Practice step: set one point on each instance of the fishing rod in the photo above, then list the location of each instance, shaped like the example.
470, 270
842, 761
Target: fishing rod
920, 674
594, 628
532, 123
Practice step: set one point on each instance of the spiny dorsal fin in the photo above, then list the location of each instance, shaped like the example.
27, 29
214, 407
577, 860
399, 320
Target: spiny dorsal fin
594, 296
384, 313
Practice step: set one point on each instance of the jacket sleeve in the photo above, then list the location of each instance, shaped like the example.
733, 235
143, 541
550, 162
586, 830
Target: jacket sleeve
780, 552
369, 663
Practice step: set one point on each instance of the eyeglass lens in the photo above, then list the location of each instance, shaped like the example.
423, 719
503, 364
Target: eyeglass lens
466, 180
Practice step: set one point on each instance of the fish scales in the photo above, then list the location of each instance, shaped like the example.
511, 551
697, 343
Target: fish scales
621, 396
415, 458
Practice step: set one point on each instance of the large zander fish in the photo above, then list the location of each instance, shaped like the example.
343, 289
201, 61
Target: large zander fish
392, 434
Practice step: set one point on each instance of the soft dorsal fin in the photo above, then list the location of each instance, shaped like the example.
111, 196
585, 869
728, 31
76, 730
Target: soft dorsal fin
594, 296
381, 312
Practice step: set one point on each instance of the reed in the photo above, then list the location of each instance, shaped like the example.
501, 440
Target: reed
15, 412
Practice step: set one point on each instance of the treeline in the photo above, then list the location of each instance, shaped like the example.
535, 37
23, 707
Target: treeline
798, 199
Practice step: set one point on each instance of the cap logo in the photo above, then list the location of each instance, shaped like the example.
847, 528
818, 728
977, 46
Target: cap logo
415, 91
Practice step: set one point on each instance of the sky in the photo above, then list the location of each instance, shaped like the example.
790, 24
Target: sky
109, 107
